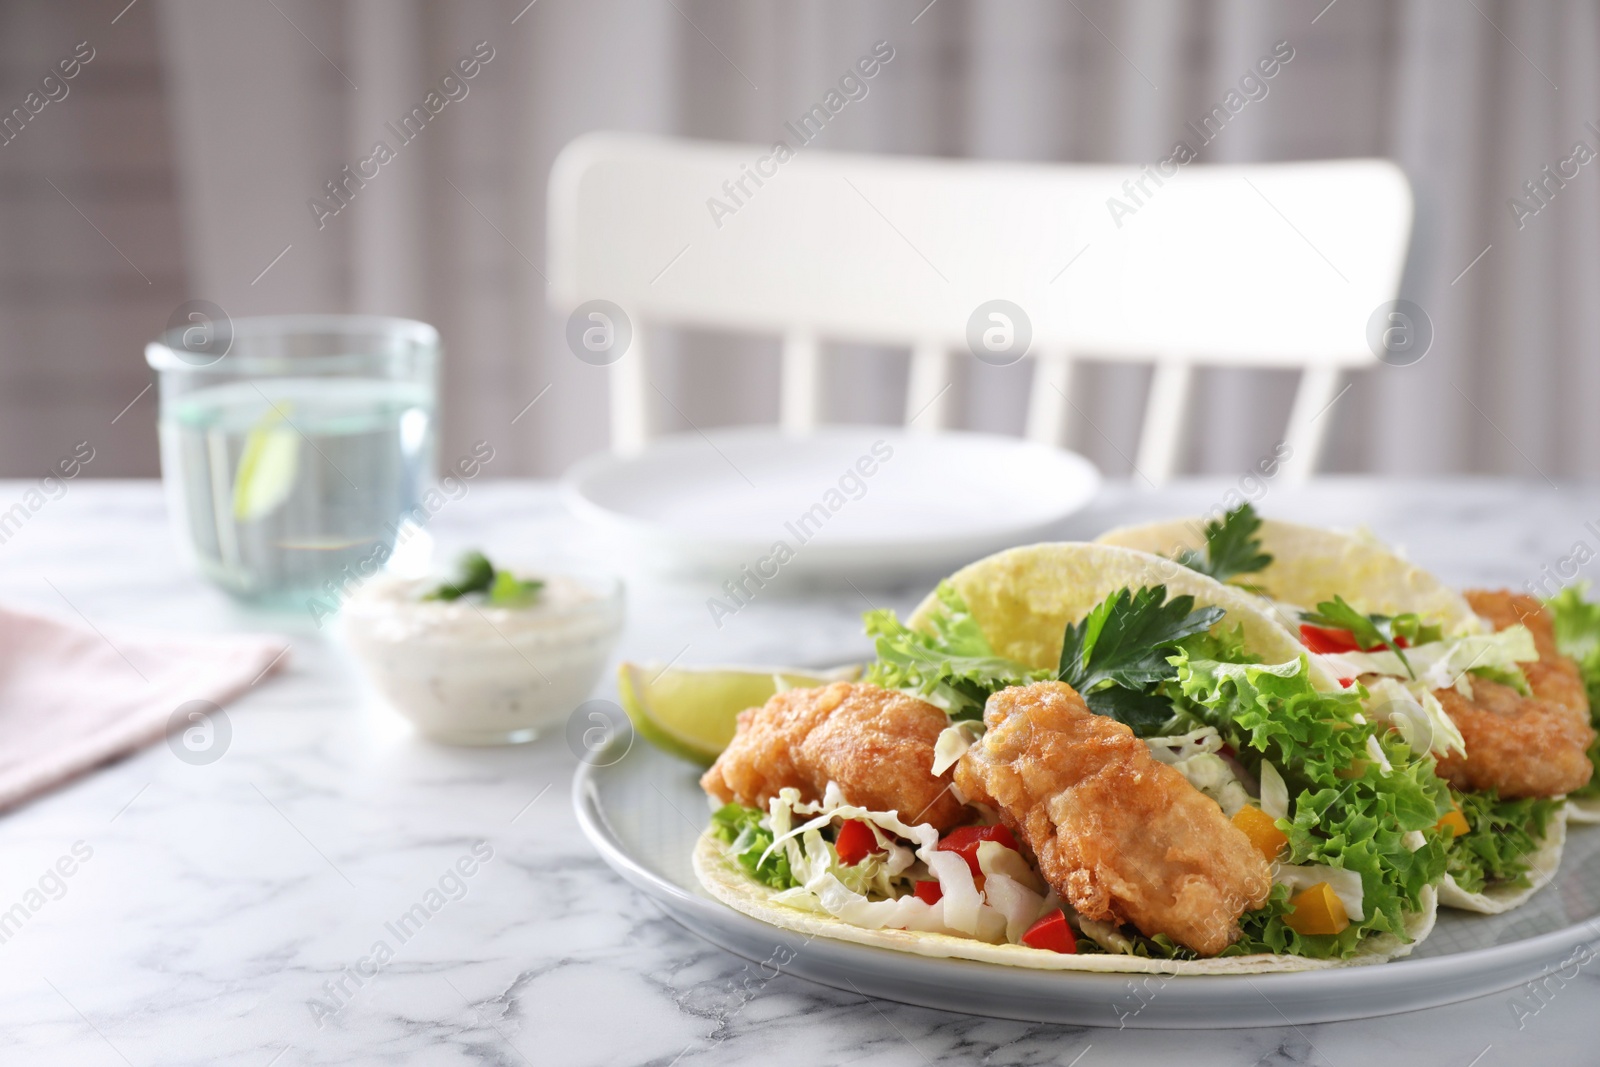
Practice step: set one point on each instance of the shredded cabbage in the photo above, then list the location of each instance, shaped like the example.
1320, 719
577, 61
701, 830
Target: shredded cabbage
1194, 755
1274, 793
995, 858
952, 744
1448, 664
877, 892
1417, 714
1019, 904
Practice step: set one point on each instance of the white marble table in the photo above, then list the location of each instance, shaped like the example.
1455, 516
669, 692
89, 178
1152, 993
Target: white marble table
219, 899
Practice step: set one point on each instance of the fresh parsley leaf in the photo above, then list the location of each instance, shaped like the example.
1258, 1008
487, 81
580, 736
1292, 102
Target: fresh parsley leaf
1117, 656
1232, 547
1125, 638
1144, 711
1411, 627
474, 574
1370, 631
509, 591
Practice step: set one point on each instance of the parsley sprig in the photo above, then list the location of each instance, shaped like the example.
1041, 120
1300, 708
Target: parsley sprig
475, 574
1373, 631
1117, 656
1232, 547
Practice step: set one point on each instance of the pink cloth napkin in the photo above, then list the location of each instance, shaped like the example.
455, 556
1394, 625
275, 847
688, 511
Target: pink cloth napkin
72, 698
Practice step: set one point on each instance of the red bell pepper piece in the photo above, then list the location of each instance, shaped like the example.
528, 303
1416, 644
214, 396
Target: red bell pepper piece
854, 842
1053, 933
1323, 640
928, 892
964, 842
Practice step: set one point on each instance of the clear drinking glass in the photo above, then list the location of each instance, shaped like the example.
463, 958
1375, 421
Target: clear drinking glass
294, 447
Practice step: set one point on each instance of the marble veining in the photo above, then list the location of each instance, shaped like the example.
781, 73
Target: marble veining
221, 903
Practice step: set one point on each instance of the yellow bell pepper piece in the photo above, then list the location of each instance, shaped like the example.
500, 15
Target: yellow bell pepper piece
1453, 821
1262, 830
1317, 911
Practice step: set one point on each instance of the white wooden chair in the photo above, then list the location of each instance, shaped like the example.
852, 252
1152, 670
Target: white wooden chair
1273, 265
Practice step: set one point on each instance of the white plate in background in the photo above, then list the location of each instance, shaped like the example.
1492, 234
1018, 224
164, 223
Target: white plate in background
862, 502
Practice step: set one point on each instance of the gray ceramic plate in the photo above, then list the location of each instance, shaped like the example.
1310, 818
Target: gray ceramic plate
644, 812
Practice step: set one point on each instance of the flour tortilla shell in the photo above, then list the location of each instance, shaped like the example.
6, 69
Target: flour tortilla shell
1311, 564
1584, 810
1023, 599
1542, 866
724, 879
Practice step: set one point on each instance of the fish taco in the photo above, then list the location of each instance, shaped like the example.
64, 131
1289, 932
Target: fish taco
1082, 757
1476, 678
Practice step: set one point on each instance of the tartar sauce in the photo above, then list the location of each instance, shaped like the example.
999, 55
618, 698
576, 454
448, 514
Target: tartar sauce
471, 673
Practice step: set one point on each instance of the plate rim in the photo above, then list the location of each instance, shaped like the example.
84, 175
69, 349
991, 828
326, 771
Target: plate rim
1512, 959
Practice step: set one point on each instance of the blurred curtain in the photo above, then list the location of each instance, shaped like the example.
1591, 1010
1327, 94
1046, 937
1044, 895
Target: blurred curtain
90, 260
270, 100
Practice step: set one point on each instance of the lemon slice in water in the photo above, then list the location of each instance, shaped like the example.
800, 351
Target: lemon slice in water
268, 466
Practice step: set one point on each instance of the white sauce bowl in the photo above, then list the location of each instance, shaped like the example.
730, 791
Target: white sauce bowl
467, 673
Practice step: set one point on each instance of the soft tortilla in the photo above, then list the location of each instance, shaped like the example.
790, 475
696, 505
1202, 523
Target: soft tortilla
1023, 599
1542, 867
1310, 565
724, 879
1584, 810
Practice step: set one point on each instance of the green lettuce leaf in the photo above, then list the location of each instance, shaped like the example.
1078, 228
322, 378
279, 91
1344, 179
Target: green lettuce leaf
740, 828
1577, 625
1220, 644
953, 668
1346, 810
1503, 834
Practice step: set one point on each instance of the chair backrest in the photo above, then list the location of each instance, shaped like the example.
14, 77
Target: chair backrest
1274, 265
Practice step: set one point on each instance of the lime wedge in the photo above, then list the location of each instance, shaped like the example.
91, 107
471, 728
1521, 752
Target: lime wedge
691, 711
267, 468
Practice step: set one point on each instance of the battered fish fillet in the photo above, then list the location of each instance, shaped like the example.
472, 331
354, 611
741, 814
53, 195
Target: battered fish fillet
1122, 836
877, 744
1522, 746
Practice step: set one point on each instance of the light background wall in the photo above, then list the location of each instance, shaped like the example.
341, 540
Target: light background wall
181, 164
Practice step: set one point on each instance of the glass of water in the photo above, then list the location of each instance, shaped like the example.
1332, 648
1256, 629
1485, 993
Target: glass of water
294, 448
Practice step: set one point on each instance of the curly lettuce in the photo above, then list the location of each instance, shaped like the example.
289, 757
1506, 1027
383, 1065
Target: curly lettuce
1360, 799
953, 668
740, 828
1503, 834
1577, 626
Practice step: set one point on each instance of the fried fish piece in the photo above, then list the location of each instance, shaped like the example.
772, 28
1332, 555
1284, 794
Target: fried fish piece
1533, 746
1122, 836
877, 744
